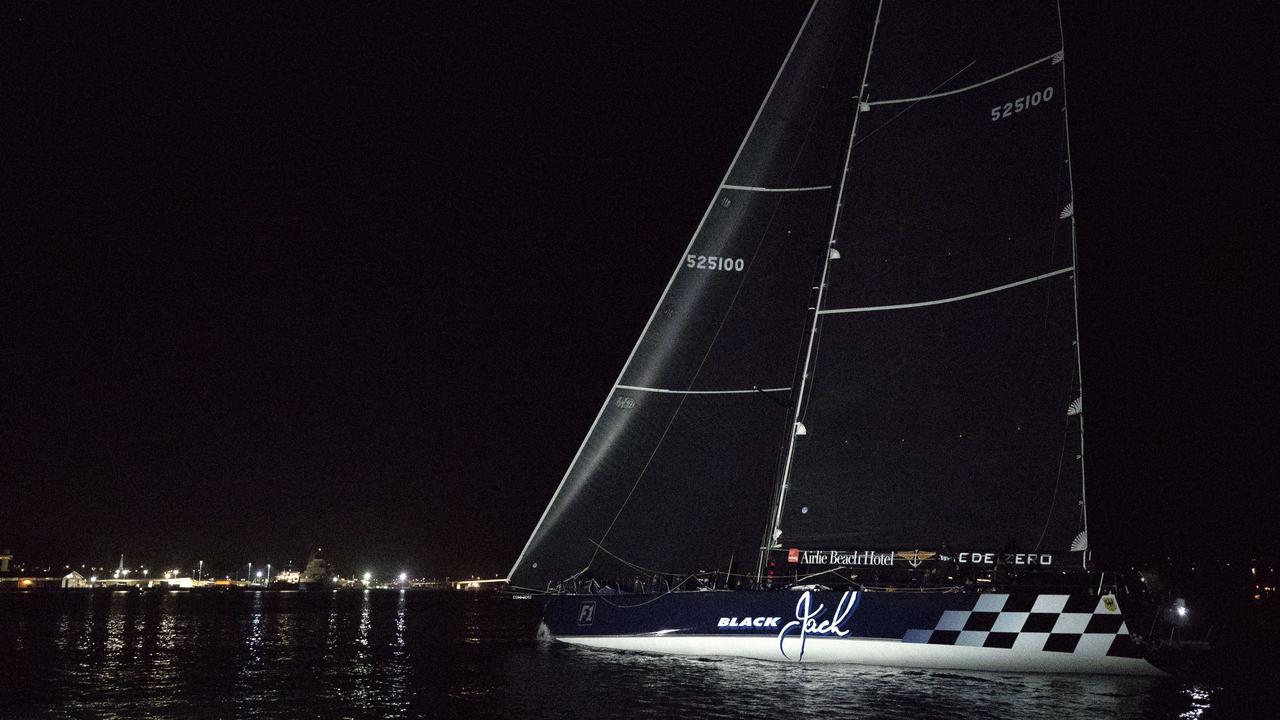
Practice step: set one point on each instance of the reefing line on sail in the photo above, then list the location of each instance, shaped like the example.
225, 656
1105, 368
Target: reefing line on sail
967, 88
943, 301
752, 391
626, 365
753, 188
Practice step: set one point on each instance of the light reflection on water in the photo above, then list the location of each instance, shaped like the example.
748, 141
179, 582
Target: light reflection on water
416, 654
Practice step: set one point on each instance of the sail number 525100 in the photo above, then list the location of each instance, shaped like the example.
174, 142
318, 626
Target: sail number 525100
711, 262
1027, 101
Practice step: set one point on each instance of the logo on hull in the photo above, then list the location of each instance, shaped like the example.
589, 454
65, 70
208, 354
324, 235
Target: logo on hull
990, 558
839, 557
807, 620
749, 622
587, 612
915, 557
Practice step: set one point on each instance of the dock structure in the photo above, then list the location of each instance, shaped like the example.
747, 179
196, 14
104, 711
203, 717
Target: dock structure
478, 584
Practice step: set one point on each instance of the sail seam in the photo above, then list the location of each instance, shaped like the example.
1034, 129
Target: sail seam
754, 188
943, 301
967, 87
700, 392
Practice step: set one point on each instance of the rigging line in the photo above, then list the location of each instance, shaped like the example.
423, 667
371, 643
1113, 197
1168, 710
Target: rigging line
833, 571
628, 563
772, 531
813, 371
702, 392
671, 281
1075, 279
905, 109
571, 578
655, 598
766, 189
650, 571
1062, 452
967, 88
967, 296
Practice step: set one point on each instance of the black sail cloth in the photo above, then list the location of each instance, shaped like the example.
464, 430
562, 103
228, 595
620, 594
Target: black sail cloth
939, 406
936, 405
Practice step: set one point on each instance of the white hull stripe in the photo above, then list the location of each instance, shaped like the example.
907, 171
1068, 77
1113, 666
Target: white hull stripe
967, 87
700, 392
943, 301
873, 652
766, 189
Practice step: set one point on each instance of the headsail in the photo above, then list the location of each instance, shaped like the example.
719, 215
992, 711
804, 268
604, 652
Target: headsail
675, 473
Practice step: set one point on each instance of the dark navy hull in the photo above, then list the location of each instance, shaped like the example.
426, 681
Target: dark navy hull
1031, 632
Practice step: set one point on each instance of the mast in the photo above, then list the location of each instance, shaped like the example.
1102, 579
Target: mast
780, 493
1075, 291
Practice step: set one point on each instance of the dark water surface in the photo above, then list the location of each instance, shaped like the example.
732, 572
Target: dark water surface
423, 654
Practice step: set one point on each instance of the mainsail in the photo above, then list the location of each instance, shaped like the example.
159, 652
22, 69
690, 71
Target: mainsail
938, 404
888, 263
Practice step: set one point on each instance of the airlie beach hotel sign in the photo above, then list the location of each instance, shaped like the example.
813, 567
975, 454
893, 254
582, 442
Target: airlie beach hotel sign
912, 558
840, 557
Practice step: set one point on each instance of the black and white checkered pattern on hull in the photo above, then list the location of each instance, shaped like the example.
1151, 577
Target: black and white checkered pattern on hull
1081, 624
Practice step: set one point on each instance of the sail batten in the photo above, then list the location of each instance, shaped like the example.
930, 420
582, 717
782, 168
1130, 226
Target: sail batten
967, 88
777, 189
704, 392
943, 301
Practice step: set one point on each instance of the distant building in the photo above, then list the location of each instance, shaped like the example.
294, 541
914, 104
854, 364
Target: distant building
317, 570
5, 557
72, 579
478, 584
290, 577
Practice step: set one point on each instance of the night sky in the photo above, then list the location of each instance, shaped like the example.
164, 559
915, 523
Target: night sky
360, 277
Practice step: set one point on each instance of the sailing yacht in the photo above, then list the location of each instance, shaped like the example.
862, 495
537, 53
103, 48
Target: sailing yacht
852, 429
